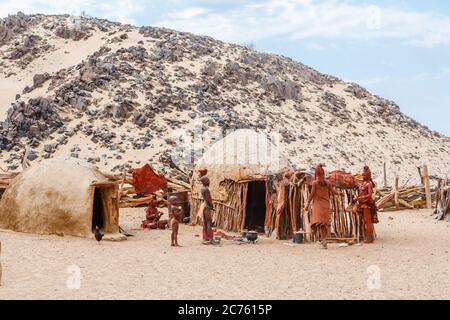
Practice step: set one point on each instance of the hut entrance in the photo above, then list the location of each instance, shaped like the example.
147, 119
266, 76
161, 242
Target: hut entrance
98, 209
255, 214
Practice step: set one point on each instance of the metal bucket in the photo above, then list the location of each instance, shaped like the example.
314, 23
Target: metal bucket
298, 237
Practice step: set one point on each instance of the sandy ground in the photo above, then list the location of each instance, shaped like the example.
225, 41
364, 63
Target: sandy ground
411, 257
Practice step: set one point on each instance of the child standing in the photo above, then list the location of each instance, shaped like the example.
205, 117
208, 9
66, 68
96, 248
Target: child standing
176, 214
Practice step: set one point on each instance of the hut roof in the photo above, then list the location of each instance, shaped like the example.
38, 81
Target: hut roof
242, 155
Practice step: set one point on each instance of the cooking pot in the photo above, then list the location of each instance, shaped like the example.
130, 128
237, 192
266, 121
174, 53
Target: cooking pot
162, 224
252, 236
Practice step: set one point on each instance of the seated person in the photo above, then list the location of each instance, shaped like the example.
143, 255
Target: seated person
152, 215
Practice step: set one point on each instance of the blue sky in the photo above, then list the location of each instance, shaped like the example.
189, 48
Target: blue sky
397, 49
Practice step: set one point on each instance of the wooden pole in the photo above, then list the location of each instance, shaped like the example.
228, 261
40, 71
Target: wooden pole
25, 163
438, 192
426, 182
421, 175
397, 202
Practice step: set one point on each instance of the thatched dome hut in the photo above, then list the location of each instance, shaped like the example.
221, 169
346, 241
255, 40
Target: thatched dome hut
61, 196
242, 168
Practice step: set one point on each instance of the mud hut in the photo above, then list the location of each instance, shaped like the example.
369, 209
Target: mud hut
243, 168
61, 196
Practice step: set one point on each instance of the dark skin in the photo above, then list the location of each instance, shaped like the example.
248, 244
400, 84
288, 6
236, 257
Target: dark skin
202, 173
206, 183
209, 203
176, 217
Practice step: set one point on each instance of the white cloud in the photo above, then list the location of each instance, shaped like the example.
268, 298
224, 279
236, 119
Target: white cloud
445, 73
440, 74
314, 46
189, 13
308, 19
421, 76
116, 10
253, 20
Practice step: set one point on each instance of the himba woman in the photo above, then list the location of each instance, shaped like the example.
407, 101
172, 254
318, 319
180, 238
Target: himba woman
321, 209
208, 234
367, 206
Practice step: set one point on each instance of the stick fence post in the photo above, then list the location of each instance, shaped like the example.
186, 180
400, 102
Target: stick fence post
426, 182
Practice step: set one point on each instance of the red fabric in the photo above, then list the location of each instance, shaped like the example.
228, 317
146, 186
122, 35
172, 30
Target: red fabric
342, 179
146, 181
208, 233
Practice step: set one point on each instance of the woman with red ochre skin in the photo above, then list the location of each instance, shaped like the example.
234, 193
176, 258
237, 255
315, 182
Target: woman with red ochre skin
321, 209
367, 206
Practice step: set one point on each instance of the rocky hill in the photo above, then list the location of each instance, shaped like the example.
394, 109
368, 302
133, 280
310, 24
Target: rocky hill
117, 95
